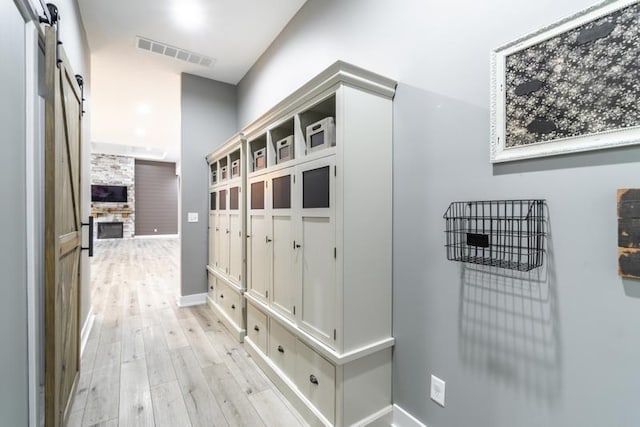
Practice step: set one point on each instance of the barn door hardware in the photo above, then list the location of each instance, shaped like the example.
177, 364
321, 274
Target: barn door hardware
80, 81
90, 225
52, 17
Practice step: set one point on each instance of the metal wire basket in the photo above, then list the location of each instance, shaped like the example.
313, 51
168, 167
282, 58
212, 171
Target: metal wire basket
501, 233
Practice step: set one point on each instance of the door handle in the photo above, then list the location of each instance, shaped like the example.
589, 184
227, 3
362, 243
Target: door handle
90, 225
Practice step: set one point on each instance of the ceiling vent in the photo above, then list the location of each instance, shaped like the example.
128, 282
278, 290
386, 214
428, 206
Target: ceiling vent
166, 50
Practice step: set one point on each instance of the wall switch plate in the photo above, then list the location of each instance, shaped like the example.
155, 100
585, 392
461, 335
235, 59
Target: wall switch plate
437, 390
192, 216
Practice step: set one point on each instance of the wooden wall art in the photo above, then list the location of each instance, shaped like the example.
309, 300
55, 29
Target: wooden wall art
629, 233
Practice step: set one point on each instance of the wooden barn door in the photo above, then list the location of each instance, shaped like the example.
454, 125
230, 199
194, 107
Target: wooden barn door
63, 232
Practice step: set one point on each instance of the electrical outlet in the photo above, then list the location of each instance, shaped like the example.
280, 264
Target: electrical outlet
437, 390
192, 217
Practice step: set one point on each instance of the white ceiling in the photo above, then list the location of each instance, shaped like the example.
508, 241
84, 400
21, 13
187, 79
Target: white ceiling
135, 95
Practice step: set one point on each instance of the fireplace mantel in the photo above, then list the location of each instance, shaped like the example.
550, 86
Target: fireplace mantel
100, 211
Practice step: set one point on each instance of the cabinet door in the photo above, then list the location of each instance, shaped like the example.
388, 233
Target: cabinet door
216, 240
223, 225
235, 234
258, 242
283, 298
317, 254
212, 230
211, 236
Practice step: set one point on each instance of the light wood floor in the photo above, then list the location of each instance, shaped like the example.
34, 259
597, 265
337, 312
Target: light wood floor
149, 363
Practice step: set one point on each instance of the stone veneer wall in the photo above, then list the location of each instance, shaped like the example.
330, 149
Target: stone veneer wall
107, 169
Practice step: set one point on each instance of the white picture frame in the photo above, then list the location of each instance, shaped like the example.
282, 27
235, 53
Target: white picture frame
510, 140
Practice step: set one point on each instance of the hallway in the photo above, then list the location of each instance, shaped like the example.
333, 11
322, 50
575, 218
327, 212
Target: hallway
149, 363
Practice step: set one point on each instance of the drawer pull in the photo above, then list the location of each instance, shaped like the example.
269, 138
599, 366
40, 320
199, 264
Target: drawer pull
233, 306
256, 328
313, 379
280, 349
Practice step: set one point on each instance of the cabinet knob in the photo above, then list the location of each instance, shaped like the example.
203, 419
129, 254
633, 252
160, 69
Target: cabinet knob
296, 245
280, 349
267, 239
222, 296
313, 379
211, 287
256, 328
233, 306
227, 231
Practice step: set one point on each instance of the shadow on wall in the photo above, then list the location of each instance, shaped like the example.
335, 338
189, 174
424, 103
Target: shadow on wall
509, 326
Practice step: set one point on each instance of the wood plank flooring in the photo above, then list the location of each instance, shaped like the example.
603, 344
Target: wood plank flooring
149, 363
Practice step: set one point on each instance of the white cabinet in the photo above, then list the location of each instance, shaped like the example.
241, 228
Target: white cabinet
227, 235
319, 222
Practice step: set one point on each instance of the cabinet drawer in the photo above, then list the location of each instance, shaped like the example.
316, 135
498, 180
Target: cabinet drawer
212, 286
231, 302
282, 348
257, 327
316, 378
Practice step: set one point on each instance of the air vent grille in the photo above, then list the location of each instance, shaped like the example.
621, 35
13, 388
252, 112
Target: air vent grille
174, 52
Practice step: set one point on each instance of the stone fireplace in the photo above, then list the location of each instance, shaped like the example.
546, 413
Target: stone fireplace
107, 169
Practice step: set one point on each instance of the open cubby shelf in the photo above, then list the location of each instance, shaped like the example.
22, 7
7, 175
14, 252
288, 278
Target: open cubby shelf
499, 233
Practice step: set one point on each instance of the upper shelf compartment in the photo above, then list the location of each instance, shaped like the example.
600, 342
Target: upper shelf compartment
318, 125
258, 153
282, 144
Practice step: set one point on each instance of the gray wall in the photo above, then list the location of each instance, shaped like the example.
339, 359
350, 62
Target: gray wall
156, 198
13, 262
208, 119
557, 347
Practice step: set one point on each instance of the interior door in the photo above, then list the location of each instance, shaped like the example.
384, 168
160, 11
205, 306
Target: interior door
63, 233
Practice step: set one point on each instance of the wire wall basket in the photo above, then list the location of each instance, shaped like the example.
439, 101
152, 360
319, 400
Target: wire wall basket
500, 233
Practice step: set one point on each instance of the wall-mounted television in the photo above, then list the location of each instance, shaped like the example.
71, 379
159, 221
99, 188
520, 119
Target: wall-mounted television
109, 193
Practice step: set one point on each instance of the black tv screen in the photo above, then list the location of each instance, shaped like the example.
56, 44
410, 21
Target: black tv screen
109, 193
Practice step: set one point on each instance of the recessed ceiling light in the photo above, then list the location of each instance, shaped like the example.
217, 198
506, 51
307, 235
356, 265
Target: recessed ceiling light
141, 132
143, 109
188, 14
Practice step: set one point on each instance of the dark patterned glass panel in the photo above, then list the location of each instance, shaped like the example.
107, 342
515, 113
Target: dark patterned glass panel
315, 188
257, 195
234, 198
282, 192
223, 200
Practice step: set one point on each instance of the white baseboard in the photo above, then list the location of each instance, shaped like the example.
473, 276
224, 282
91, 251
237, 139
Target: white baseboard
191, 300
402, 418
156, 236
86, 330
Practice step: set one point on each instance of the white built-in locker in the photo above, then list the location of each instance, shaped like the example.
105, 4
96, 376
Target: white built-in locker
318, 246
